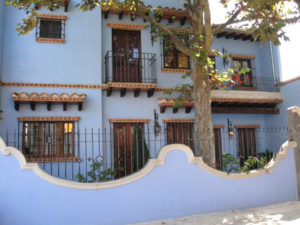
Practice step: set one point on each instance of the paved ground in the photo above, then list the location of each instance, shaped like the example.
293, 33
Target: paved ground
283, 213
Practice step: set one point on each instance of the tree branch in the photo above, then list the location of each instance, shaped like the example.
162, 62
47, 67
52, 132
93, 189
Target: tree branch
181, 46
231, 20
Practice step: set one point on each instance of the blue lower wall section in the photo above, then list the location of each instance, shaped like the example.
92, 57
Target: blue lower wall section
176, 189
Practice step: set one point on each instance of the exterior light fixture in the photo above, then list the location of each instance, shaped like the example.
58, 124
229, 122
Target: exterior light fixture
230, 128
157, 127
225, 57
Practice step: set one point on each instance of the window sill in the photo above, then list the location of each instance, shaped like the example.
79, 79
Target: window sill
170, 70
52, 159
50, 40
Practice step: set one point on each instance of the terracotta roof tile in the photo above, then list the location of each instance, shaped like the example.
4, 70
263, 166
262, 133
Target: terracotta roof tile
53, 97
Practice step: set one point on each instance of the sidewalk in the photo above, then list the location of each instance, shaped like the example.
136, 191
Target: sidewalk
283, 213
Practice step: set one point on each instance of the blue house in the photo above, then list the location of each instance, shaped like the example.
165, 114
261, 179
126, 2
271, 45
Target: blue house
92, 85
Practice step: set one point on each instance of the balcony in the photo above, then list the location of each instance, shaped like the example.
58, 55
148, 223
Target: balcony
132, 70
255, 83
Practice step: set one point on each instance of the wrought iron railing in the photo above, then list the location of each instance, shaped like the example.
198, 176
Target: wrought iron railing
130, 67
256, 83
100, 155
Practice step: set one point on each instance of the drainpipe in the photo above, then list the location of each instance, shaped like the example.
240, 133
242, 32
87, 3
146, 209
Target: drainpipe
273, 65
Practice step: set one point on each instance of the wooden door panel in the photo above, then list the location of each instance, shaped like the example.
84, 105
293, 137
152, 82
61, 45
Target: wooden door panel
123, 147
180, 133
218, 148
126, 56
247, 143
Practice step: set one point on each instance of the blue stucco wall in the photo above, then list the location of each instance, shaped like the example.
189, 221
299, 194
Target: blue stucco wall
1, 29
77, 61
143, 107
176, 189
290, 94
1, 43
80, 60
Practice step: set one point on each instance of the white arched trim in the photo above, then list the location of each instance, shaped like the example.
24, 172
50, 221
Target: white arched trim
5, 150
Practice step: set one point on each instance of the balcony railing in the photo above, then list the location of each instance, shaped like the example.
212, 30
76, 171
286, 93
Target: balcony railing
112, 154
130, 67
257, 83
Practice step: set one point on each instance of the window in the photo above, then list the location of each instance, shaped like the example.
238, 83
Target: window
51, 28
179, 132
247, 143
48, 139
218, 148
238, 65
173, 58
183, 133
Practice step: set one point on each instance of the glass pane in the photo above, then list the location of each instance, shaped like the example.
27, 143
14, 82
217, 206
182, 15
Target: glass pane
68, 138
174, 58
31, 141
183, 61
244, 64
236, 65
169, 54
50, 28
49, 139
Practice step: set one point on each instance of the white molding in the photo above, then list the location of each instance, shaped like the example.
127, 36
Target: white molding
237, 94
160, 161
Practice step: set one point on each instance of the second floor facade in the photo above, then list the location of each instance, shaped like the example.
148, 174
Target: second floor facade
116, 61
88, 48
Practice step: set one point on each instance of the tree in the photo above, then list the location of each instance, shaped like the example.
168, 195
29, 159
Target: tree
265, 19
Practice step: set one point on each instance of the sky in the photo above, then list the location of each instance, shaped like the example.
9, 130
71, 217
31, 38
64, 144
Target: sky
289, 50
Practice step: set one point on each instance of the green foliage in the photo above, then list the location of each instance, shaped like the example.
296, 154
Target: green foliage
268, 155
250, 164
229, 163
256, 163
97, 172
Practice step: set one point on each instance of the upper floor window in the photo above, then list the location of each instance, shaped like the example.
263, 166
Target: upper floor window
239, 64
51, 28
172, 57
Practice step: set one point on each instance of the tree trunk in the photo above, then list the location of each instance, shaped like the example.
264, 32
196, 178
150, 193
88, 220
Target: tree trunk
203, 117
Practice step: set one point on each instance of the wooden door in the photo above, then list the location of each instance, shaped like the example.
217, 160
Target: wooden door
218, 148
126, 56
181, 133
124, 147
247, 143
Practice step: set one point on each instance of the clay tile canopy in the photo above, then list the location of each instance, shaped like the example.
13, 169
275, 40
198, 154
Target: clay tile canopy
177, 14
264, 103
166, 12
33, 98
45, 97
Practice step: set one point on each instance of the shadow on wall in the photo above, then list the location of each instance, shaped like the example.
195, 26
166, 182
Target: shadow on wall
176, 184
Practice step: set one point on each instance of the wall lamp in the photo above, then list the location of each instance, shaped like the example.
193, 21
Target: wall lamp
225, 57
157, 127
229, 128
